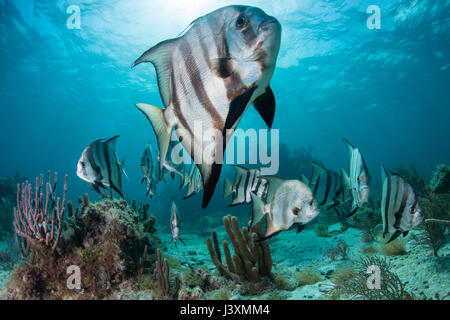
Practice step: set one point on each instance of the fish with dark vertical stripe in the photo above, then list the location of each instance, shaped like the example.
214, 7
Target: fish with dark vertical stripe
326, 185
210, 75
99, 165
400, 210
245, 182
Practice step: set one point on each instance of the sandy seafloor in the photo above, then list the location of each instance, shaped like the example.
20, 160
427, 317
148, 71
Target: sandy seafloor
423, 274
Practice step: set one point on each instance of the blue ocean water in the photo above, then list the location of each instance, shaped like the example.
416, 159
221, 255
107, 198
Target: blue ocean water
386, 90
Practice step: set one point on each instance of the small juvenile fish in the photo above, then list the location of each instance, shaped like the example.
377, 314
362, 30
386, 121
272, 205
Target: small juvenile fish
400, 210
172, 167
245, 182
193, 182
174, 225
148, 169
358, 180
209, 76
98, 165
290, 203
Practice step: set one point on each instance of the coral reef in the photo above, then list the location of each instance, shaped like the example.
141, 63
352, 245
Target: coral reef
38, 221
106, 241
251, 258
353, 284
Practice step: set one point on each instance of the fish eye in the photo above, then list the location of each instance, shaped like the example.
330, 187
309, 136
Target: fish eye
83, 165
311, 203
412, 210
241, 21
295, 211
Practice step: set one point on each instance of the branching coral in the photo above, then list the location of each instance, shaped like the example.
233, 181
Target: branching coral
106, 240
435, 206
355, 286
37, 221
251, 258
162, 271
440, 182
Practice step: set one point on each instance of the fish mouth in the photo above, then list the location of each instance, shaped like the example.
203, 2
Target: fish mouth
266, 25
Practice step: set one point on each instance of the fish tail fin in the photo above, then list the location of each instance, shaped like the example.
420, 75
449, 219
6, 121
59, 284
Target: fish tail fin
227, 188
258, 209
156, 117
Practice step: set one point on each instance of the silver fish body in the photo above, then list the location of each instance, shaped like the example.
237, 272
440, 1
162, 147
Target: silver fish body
290, 204
400, 211
148, 170
99, 165
358, 179
208, 77
175, 224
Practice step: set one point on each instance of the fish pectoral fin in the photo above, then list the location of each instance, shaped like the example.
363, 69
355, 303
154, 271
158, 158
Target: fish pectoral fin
265, 105
405, 233
223, 67
210, 174
156, 117
258, 209
237, 107
160, 56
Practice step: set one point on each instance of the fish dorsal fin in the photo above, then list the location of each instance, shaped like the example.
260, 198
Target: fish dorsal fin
304, 179
240, 170
265, 105
274, 183
384, 174
348, 144
317, 166
112, 142
160, 56
345, 179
